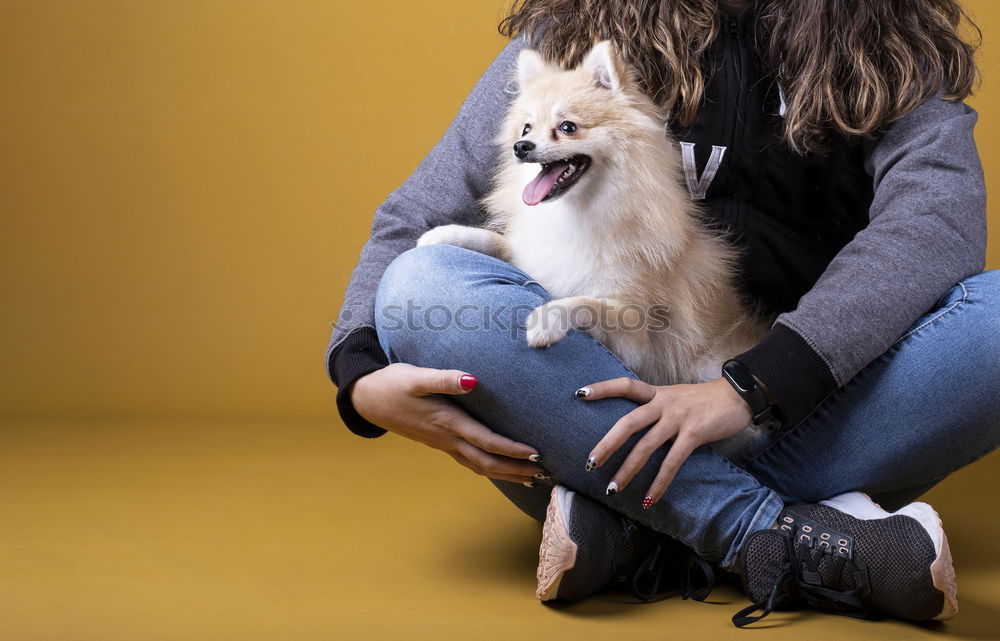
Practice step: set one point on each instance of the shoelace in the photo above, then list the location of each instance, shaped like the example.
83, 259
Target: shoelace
802, 579
662, 564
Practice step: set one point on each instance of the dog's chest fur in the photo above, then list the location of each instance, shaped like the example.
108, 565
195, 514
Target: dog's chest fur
562, 253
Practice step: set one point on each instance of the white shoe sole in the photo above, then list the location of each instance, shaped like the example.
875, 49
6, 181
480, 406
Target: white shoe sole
861, 506
557, 553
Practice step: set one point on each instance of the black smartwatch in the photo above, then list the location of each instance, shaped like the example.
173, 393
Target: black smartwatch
765, 414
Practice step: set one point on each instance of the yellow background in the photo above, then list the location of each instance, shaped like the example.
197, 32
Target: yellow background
184, 188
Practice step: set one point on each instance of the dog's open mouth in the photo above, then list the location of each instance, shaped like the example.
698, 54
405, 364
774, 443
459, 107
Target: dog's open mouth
554, 179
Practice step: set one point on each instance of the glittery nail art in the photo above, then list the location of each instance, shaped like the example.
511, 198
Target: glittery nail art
591, 464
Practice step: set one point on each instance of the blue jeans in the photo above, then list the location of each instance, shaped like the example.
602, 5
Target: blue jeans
922, 410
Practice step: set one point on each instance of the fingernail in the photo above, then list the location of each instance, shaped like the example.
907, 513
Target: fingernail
591, 464
542, 477
534, 458
528, 484
468, 381
612, 488
647, 502
582, 392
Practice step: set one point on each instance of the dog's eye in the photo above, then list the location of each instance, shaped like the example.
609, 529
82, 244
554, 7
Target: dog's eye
567, 127
527, 128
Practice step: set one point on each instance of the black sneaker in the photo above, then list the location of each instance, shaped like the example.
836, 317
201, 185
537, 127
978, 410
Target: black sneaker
850, 556
587, 547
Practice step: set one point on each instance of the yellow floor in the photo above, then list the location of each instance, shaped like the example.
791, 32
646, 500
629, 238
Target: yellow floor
149, 530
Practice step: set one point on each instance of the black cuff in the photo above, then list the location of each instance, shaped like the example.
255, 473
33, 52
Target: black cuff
796, 376
358, 354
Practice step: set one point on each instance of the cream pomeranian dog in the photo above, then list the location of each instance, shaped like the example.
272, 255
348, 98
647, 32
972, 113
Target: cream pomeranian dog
589, 201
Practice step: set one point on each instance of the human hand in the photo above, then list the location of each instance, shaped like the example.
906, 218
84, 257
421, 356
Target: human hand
690, 415
408, 400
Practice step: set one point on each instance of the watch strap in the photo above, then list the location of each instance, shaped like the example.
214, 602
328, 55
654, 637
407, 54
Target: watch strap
765, 414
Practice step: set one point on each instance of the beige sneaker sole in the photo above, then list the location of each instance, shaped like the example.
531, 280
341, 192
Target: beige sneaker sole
942, 570
557, 553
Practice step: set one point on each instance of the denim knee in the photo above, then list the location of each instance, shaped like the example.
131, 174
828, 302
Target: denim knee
440, 297
981, 294
972, 346
989, 280
982, 297
411, 275
411, 281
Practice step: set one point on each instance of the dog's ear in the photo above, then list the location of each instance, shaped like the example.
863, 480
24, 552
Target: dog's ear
602, 63
529, 64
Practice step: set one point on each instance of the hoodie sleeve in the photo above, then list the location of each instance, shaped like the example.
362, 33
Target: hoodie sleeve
444, 189
926, 231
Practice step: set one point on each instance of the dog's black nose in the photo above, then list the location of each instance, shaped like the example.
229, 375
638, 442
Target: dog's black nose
522, 147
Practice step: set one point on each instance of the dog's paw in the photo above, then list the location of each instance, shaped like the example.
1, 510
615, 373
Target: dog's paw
457, 235
546, 326
476, 239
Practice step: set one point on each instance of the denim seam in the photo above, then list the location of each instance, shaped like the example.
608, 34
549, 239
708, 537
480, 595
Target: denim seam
628, 372
774, 496
753, 527
544, 300
699, 550
965, 298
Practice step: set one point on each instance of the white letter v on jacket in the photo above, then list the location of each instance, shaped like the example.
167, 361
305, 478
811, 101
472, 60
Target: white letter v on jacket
698, 187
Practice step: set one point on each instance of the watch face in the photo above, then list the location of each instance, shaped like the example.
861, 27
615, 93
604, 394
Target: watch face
738, 376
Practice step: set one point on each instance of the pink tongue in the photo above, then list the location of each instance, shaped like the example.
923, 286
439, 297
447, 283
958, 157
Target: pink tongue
540, 187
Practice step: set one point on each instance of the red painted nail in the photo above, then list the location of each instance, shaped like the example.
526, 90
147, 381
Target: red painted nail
647, 502
468, 381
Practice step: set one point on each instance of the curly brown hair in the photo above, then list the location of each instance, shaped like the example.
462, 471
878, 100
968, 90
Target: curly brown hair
846, 67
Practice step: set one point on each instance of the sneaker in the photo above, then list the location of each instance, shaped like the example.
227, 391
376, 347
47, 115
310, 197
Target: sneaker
587, 547
850, 556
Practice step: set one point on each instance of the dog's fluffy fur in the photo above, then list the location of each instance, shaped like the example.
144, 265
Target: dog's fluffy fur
622, 233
